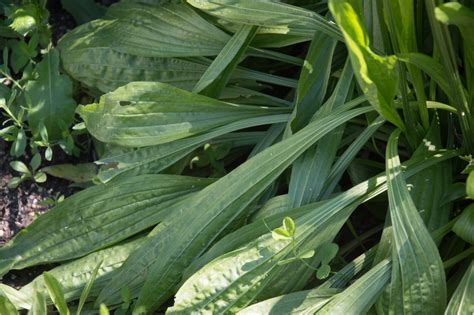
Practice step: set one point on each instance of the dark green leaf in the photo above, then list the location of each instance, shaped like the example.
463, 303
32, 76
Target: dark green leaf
102, 216
464, 226
50, 97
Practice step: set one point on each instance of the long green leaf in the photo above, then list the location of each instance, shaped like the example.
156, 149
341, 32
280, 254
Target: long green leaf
97, 217
56, 293
87, 288
418, 280
273, 17
376, 75
241, 275
224, 201
302, 302
6, 307
182, 32
362, 294
462, 301
309, 301
310, 171
156, 158
144, 113
219, 72
18, 299
429, 65
74, 275
38, 306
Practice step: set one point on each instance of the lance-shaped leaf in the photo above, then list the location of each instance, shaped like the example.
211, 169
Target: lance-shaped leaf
418, 281
20, 300
462, 301
97, 217
145, 113
233, 280
463, 17
165, 256
154, 159
429, 65
293, 303
359, 297
309, 301
310, 171
103, 68
273, 17
50, 98
74, 275
100, 67
7, 307
376, 75
170, 30
428, 187
219, 72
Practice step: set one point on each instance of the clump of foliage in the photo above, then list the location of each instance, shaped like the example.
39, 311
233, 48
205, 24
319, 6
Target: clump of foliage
224, 182
36, 100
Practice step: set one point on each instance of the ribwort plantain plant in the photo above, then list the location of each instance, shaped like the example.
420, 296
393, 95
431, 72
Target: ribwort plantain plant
314, 117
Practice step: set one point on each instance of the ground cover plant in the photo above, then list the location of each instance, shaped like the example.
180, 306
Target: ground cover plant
256, 157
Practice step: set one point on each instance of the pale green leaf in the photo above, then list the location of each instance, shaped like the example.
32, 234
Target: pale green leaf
56, 293
289, 225
19, 167
293, 303
377, 75
470, 185
143, 114
323, 271
24, 19
77, 173
18, 299
273, 17
462, 301
280, 234
74, 276
38, 306
156, 158
362, 294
